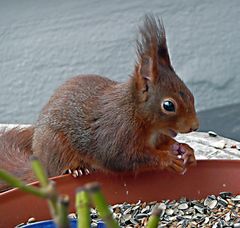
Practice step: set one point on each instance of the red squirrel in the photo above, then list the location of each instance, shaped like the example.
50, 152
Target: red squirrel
96, 123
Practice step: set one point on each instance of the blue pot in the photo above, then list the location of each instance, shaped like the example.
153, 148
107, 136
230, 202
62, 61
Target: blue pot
51, 224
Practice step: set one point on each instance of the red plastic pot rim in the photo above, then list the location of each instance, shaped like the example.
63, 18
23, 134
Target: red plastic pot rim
208, 177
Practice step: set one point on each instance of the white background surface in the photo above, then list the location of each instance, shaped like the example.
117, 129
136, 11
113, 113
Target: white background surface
42, 43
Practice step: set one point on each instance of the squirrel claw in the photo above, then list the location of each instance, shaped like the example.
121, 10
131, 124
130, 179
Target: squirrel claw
78, 172
69, 171
184, 171
185, 158
87, 172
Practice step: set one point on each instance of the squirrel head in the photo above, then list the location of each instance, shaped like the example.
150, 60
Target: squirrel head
162, 97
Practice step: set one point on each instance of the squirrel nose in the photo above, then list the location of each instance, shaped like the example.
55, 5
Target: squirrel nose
193, 129
195, 126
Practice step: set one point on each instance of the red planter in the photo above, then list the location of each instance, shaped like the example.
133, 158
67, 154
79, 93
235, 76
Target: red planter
208, 177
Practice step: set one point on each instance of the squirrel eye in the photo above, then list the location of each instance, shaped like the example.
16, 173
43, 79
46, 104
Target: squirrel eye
168, 106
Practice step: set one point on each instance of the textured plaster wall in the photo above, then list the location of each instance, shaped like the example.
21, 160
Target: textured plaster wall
42, 43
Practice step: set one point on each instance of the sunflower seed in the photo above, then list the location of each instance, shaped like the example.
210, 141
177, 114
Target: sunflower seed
212, 134
183, 206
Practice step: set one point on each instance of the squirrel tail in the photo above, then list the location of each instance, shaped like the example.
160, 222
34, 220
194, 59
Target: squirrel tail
15, 149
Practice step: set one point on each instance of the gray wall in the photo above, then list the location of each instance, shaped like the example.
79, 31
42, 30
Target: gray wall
42, 43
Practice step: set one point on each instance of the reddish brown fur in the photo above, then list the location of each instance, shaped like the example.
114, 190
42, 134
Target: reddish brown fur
61, 155
15, 149
94, 122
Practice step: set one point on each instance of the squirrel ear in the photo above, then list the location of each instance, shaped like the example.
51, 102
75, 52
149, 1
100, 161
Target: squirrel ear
147, 68
152, 48
142, 78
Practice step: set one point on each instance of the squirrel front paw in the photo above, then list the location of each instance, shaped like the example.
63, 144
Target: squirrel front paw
171, 162
185, 152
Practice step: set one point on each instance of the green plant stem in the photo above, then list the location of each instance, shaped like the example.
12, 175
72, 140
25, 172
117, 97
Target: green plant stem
154, 218
52, 199
46, 184
16, 183
39, 171
99, 200
63, 203
58, 205
82, 207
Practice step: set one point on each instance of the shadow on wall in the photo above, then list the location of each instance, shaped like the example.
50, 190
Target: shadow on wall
225, 121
